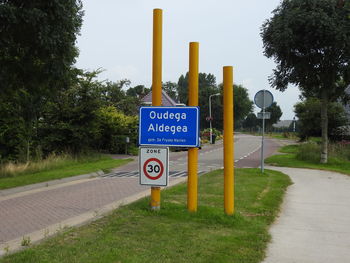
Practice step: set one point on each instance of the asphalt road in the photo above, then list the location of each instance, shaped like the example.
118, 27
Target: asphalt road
43, 210
247, 153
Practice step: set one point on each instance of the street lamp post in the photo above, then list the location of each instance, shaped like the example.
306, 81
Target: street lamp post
294, 124
210, 117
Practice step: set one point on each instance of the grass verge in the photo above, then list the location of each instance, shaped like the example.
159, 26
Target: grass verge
276, 135
133, 233
283, 136
290, 160
66, 168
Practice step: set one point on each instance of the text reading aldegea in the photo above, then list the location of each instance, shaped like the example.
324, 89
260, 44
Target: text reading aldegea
166, 128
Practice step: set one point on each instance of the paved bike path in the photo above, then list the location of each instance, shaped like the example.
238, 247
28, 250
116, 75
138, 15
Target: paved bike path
314, 224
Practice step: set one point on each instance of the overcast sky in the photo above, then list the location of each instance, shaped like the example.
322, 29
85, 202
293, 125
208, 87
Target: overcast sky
117, 37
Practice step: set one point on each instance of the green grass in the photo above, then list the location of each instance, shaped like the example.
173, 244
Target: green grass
276, 135
315, 139
290, 160
282, 135
63, 169
292, 148
133, 233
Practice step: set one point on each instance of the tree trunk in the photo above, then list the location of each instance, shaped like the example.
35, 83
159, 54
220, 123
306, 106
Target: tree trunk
28, 151
324, 125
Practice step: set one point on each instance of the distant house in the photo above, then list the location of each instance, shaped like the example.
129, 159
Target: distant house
166, 100
283, 124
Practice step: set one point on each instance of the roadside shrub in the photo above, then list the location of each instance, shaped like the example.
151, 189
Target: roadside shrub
11, 169
204, 141
309, 152
53, 161
114, 127
309, 118
205, 134
133, 150
286, 135
340, 150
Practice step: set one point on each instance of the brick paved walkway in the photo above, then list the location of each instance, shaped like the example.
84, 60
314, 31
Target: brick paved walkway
35, 211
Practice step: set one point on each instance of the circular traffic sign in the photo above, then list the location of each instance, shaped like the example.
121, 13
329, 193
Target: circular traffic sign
153, 168
263, 99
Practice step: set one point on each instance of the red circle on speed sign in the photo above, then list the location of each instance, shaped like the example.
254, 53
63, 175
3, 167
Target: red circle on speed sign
158, 168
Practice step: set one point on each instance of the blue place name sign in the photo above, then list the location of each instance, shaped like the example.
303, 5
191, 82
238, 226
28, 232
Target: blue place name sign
169, 126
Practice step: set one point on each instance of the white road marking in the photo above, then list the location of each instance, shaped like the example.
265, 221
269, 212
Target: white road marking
248, 154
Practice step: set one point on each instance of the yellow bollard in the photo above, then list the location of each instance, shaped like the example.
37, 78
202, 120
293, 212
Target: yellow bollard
192, 182
156, 83
157, 58
228, 141
155, 198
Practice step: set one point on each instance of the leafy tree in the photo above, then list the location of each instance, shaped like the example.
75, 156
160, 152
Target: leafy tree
114, 94
86, 116
171, 89
182, 89
251, 122
206, 87
275, 115
310, 42
12, 131
69, 121
138, 91
309, 123
129, 106
242, 104
37, 40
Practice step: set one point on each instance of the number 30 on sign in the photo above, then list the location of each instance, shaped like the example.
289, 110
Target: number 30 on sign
154, 165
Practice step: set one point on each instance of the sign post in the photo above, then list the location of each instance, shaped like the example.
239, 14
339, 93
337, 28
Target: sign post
154, 166
266, 115
263, 99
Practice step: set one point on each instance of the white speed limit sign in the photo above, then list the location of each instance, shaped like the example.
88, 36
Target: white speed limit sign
154, 165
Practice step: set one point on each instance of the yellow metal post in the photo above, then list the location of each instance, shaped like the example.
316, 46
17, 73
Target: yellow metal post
192, 183
228, 141
156, 83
